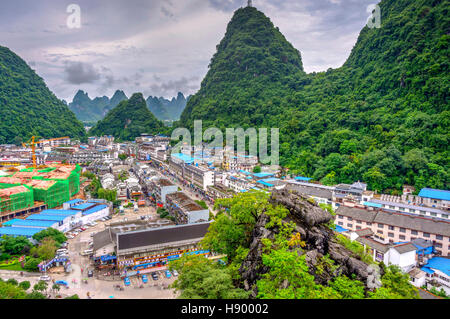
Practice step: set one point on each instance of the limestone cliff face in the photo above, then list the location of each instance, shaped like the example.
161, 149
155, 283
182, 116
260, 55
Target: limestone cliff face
311, 222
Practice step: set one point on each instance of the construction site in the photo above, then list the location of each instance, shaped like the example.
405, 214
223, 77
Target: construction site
30, 190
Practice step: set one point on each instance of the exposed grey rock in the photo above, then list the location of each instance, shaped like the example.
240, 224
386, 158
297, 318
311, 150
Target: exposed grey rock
310, 222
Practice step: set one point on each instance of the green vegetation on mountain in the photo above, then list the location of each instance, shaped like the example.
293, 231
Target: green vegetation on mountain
88, 111
129, 120
167, 110
28, 107
382, 117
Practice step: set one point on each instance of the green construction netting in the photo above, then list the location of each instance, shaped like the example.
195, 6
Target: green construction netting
17, 201
46, 170
4, 185
55, 195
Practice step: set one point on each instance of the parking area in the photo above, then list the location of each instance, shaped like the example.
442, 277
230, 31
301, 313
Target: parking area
107, 284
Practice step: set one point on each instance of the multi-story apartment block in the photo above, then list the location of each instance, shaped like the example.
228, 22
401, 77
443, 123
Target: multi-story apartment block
396, 227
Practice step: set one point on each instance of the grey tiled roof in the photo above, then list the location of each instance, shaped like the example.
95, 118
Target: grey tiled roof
373, 244
311, 191
396, 219
404, 248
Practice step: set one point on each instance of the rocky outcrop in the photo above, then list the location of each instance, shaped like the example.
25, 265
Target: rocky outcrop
311, 222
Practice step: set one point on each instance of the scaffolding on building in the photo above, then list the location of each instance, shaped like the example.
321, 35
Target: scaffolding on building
16, 198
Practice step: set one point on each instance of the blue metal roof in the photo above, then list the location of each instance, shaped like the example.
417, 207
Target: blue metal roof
19, 231
245, 172
94, 210
265, 183
427, 270
56, 218
439, 263
435, 193
59, 212
340, 229
263, 174
33, 223
302, 178
10, 222
372, 204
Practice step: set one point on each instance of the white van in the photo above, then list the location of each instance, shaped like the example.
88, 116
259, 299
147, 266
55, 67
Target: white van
62, 251
88, 252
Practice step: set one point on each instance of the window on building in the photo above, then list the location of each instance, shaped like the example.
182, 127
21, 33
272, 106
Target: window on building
402, 209
403, 230
341, 223
402, 237
414, 232
426, 235
380, 232
391, 235
349, 218
358, 227
433, 214
439, 237
391, 227
438, 252
380, 226
369, 224
438, 245
413, 238
350, 225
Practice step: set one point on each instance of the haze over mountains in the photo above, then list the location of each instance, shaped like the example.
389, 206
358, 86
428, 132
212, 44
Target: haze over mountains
92, 110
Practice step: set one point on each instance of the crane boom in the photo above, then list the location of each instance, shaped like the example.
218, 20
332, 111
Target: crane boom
32, 143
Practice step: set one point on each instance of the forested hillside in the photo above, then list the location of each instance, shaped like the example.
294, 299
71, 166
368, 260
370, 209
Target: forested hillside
28, 107
383, 117
165, 109
128, 120
88, 110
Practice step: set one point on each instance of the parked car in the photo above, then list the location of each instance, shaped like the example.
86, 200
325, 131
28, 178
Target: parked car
155, 276
90, 273
175, 273
144, 279
93, 223
70, 236
168, 274
83, 228
127, 281
64, 245
45, 278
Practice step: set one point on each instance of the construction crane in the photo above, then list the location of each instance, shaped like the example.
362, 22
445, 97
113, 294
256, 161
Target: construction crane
32, 143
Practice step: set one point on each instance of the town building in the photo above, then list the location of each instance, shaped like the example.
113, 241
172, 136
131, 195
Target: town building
146, 248
184, 209
396, 227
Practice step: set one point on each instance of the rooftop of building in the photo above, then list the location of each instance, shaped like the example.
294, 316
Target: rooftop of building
184, 202
19, 231
150, 237
438, 263
435, 194
29, 223
414, 222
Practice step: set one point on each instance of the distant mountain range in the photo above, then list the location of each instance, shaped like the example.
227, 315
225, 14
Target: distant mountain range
128, 120
87, 110
167, 110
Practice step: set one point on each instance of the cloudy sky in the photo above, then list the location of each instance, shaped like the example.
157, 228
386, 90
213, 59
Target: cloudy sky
161, 47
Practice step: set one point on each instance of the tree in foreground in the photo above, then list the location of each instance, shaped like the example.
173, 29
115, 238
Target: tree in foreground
201, 278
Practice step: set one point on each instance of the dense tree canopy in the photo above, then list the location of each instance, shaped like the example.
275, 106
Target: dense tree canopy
128, 120
28, 107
